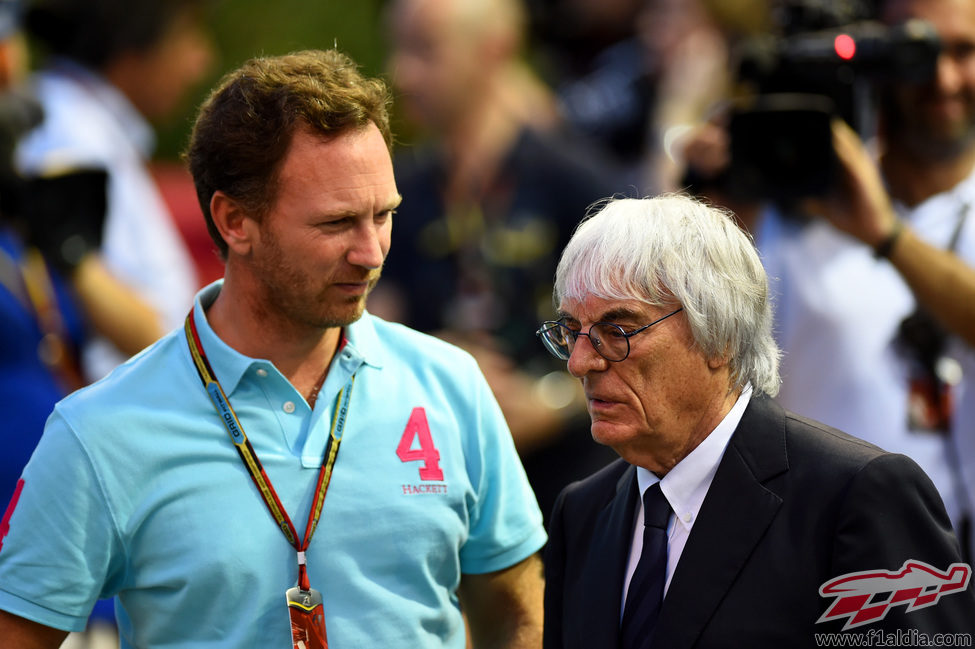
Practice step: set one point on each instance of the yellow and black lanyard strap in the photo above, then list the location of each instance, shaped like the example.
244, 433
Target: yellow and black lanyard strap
229, 418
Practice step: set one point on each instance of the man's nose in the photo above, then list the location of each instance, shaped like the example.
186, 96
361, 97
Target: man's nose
584, 358
948, 75
368, 250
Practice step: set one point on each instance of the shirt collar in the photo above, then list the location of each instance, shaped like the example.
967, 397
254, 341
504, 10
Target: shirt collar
363, 340
229, 365
686, 485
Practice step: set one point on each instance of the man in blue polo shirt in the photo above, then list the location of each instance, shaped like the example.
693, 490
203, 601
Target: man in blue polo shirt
284, 454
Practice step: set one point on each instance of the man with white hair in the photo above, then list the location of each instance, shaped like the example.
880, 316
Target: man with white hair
748, 511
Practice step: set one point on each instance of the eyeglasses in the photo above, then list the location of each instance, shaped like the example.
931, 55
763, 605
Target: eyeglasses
607, 338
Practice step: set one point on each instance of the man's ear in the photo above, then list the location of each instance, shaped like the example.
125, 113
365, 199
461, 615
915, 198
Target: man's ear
717, 362
235, 224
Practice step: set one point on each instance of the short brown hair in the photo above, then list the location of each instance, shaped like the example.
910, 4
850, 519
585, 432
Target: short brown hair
245, 126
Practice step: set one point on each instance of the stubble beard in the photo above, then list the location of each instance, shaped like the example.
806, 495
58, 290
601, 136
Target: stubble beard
924, 135
357, 304
288, 300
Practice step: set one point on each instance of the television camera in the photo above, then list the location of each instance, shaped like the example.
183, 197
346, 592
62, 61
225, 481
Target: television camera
61, 214
790, 87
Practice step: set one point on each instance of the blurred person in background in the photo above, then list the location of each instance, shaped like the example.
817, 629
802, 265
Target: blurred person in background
491, 192
686, 54
112, 67
591, 53
875, 302
632, 75
55, 291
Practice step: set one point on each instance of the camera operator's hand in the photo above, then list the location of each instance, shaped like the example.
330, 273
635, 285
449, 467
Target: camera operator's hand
707, 151
939, 279
860, 206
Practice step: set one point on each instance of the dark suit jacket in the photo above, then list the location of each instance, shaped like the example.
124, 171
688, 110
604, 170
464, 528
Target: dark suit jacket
793, 504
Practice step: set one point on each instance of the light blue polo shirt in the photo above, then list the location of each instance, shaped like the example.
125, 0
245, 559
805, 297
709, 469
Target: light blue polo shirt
137, 490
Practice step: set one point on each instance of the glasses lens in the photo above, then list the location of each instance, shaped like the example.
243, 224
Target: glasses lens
610, 341
556, 339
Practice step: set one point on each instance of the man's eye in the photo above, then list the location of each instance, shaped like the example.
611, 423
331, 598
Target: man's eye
336, 223
960, 51
572, 328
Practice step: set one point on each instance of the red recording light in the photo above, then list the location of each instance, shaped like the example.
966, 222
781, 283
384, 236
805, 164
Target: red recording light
845, 46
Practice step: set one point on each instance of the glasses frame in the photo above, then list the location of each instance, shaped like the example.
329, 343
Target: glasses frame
553, 349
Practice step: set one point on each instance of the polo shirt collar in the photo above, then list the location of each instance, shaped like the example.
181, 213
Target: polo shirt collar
363, 341
229, 365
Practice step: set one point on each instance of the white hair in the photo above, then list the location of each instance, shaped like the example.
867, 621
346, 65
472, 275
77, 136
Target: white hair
675, 249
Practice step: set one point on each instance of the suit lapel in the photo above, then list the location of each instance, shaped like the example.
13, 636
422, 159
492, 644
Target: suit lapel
601, 584
735, 515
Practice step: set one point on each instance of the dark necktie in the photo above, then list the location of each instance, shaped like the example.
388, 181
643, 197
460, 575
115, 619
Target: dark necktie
646, 591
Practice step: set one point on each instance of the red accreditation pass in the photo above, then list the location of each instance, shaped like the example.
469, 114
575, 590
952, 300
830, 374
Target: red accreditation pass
307, 619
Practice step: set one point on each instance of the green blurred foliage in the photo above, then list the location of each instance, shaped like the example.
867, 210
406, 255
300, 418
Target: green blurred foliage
242, 29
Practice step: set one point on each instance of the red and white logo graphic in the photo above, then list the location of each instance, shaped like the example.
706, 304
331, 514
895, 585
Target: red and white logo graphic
868, 596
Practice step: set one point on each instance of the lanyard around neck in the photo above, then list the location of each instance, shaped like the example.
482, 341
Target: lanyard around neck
229, 418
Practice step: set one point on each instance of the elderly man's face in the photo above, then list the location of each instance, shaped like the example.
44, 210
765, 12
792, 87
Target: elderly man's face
659, 403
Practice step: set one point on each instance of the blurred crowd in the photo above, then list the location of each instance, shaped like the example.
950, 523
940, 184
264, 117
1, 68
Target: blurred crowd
514, 117
94, 267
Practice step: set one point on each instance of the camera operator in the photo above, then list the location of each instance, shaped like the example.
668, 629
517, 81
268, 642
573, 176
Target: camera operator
111, 70
55, 291
879, 339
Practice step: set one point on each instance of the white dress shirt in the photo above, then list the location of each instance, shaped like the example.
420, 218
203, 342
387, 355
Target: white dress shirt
685, 487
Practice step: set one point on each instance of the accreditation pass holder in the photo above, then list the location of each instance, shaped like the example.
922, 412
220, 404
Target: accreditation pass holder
304, 602
307, 616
